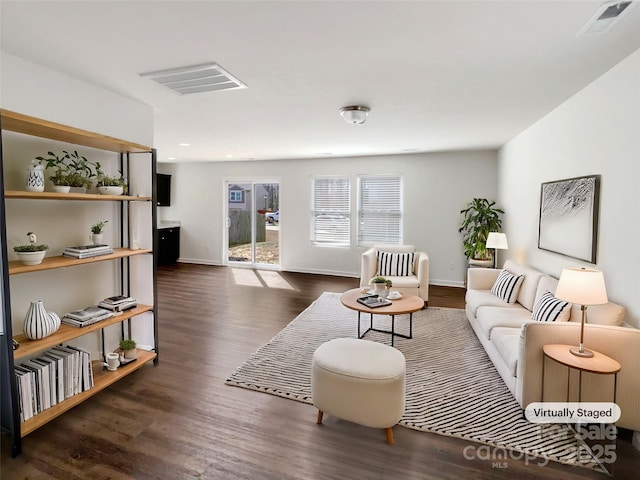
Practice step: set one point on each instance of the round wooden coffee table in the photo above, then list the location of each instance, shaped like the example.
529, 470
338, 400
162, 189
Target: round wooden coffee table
407, 304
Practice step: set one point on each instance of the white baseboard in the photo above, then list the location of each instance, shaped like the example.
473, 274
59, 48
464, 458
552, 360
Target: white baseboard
198, 261
437, 282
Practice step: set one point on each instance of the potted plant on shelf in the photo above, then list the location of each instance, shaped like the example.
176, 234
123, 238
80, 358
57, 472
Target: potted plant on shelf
31, 253
60, 180
97, 230
111, 185
71, 169
480, 217
128, 347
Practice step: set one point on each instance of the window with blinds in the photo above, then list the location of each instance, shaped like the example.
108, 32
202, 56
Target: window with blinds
379, 209
331, 211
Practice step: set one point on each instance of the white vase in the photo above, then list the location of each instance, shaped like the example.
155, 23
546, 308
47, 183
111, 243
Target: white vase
56, 321
38, 323
35, 179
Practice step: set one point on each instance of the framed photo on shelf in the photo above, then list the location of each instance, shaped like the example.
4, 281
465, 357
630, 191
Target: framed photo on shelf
569, 217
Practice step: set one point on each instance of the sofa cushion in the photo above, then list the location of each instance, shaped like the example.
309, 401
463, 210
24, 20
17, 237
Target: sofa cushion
507, 343
607, 314
395, 264
551, 309
507, 286
546, 284
488, 318
410, 281
527, 294
479, 298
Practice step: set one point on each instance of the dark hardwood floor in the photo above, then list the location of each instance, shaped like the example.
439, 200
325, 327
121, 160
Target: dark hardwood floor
180, 421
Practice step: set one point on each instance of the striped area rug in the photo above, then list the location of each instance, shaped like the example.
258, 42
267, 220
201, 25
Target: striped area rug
452, 387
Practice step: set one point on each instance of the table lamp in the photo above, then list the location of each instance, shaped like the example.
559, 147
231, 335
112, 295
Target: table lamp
582, 286
497, 241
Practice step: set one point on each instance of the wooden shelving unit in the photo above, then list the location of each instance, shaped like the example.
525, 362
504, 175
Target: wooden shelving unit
73, 196
49, 263
16, 122
101, 380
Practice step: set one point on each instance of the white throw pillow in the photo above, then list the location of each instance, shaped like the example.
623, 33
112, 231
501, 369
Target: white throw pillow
507, 286
395, 264
551, 309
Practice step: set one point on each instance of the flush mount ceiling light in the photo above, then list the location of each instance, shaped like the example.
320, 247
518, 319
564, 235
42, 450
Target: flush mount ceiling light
607, 15
355, 114
195, 79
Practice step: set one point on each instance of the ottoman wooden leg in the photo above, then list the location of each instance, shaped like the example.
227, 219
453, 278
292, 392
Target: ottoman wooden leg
389, 433
319, 421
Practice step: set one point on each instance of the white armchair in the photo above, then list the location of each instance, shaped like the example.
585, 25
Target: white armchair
416, 283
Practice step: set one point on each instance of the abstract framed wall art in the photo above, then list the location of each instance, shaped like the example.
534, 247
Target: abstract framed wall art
569, 217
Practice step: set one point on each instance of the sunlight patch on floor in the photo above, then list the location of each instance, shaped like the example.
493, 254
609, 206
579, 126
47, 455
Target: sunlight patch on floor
245, 276
275, 280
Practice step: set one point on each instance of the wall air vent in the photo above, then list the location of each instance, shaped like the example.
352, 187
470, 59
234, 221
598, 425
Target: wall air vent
195, 79
607, 15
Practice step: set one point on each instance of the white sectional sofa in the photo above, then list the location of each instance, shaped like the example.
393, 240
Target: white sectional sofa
514, 342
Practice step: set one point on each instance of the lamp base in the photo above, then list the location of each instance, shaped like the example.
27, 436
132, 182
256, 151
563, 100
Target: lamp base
581, 352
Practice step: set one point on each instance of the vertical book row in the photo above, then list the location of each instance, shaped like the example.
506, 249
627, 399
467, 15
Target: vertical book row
57, 374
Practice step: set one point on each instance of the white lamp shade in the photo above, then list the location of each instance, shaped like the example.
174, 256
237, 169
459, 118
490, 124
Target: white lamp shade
497, 240
583, 286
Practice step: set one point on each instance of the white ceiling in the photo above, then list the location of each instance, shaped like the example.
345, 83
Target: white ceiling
437, 75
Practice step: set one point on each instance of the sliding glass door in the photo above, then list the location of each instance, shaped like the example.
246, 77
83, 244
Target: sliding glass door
253, 223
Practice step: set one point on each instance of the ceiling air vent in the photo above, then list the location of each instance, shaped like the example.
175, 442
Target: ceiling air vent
195, 79
605, 17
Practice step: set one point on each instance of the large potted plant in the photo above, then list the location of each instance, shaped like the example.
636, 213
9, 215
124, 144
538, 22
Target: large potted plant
479, 218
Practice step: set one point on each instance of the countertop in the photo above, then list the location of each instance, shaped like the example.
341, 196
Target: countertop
168, 224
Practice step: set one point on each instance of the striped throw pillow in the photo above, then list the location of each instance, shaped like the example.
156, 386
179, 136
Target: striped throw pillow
507, 286
551, 309
395, 264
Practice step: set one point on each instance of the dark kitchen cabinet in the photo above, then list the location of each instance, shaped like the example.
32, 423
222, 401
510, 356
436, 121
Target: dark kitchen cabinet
168, 245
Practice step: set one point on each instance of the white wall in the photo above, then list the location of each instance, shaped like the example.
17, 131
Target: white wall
37, 91
436, 186
595, 132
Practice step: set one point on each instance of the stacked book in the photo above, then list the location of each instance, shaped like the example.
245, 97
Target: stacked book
59, 373
86, 251
86, 316
118, 303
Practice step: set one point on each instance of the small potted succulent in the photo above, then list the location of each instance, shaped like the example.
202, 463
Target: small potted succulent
31, 253
111, 185
128, 347
379, 284
97, 230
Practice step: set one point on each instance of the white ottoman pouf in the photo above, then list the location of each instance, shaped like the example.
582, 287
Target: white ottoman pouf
359, 381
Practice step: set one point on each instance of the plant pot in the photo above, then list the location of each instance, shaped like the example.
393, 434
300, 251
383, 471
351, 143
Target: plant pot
110, 190
31, 258
61, 188
130, 354
379, 288
78, 189
96, 238
480, 263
